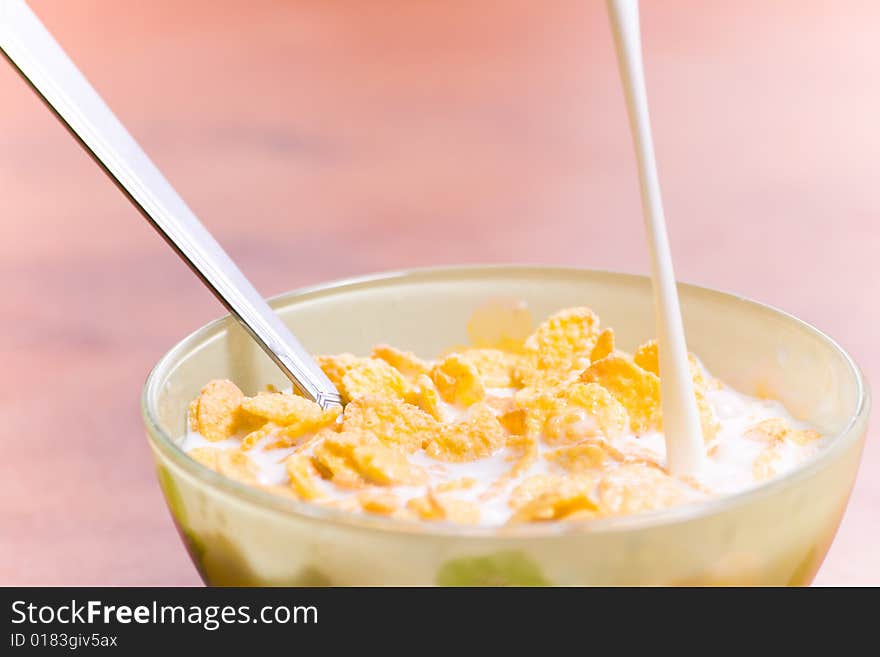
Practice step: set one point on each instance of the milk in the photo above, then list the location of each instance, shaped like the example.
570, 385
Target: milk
683, 436
726, 461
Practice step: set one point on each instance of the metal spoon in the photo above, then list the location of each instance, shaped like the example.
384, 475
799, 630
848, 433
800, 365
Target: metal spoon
38, 58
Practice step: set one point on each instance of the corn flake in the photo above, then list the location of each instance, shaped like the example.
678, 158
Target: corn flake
257, 435
531, 488
380, 502
556, 498
393, 422
297, 415
361, 458
565, 340
426, 398
336, 366
636, 487
237, 465
514, 421
303, 476
708, 421
569, 425
217, 410
589, 455
604, 345
332, 459
803, 436
458, 381
763, 467
608, 414
647, 357
281, 408
385, 466
405, 362
207, 456
435, 507
372, 377
576, 412
465, 483
638, 390
538, 410
479, 435
776, 430
192, 419
495, 367
769, 431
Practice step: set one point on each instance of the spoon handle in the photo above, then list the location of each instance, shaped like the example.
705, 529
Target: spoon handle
32, 50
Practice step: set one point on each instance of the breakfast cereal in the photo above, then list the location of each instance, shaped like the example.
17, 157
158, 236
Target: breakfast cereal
553, 425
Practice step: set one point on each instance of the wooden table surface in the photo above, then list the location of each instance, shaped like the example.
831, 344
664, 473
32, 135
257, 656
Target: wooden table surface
327, 138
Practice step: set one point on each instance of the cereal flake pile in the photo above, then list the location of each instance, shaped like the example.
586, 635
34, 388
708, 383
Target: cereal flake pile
535, 427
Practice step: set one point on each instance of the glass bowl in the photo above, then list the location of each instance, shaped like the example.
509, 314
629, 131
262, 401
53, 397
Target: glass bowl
775, 534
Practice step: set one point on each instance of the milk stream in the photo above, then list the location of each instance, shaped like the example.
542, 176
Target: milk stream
683, 435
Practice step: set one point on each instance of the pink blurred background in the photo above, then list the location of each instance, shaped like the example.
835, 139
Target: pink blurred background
328, 138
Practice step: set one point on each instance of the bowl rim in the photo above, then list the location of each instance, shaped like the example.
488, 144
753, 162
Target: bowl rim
314, 512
